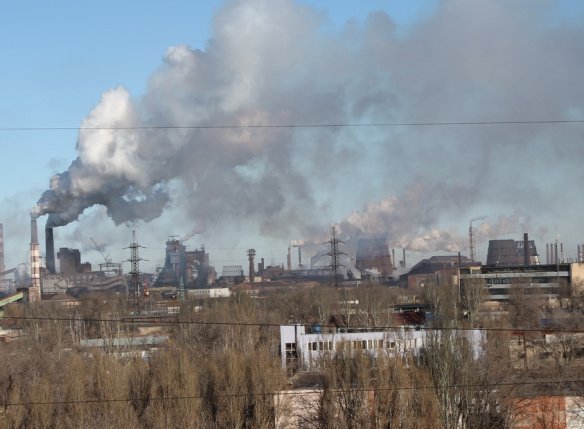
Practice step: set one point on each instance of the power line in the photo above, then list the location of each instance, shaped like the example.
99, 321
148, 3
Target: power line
356, 328
294, 393
292, 126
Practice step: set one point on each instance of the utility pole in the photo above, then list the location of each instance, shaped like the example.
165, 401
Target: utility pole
135, 272
334, 253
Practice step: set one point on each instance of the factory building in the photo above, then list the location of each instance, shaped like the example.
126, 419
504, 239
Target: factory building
304, 347
233, 274
373, 258
510, 252
190, 269
541, 281
69, 261
74, 277
436, 270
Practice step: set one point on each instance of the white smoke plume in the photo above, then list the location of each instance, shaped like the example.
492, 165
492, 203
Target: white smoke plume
410, 220
513, 225
270, 62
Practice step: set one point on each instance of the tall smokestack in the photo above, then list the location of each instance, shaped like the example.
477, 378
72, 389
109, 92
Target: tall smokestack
34, 237
404, 251
471, 242
2, 268
49, 249
393, 259
299, 257
251, 255
35, 262
289, 260
525, 249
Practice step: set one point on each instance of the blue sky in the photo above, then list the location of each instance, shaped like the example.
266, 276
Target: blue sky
60, 57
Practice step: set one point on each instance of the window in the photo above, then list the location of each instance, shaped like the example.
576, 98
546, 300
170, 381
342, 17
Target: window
290, 350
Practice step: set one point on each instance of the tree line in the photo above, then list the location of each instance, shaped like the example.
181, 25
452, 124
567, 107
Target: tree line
228, 374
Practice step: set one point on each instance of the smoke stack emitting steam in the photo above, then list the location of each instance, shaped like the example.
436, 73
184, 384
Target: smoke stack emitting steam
128, 162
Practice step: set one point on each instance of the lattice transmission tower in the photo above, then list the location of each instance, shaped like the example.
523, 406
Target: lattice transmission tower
135, 272
335, 253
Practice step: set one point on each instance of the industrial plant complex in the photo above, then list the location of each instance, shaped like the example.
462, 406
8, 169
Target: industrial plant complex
354, 263
448, 299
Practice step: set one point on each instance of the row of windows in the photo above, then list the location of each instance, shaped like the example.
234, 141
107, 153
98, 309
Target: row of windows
533, 291
520, 281
360, 345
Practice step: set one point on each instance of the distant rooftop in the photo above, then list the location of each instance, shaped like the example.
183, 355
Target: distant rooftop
435, 263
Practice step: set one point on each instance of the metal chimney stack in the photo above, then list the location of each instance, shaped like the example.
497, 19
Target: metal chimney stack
251, 256
49, 249
526, 260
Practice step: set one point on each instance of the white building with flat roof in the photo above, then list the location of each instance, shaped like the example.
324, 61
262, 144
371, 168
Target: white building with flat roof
305, 349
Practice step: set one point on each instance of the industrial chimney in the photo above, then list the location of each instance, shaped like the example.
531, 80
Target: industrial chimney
49, 249
35, 262
1, 248
251, 255
525, 250
299, 257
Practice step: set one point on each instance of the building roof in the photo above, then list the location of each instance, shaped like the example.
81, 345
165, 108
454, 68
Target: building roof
437, 263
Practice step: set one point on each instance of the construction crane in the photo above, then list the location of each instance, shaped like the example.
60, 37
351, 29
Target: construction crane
100, 250
108, 267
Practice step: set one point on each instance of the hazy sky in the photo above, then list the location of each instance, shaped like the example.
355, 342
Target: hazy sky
106, 66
